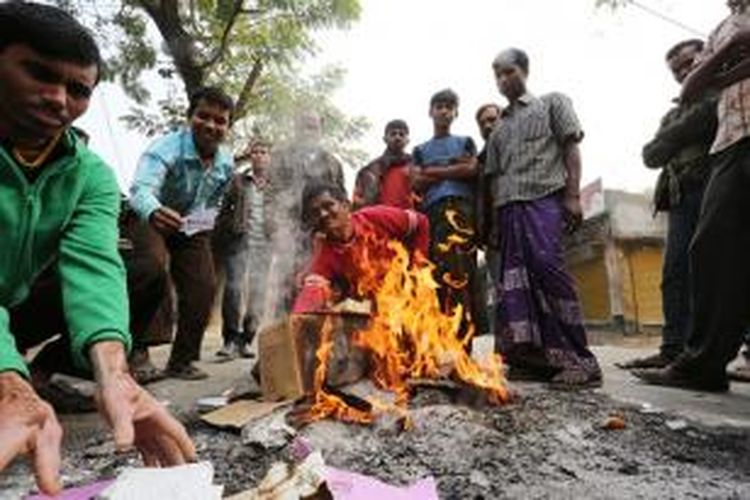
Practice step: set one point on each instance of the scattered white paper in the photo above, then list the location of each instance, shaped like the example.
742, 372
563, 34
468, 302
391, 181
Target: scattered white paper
676, 425
202, 219
183, 482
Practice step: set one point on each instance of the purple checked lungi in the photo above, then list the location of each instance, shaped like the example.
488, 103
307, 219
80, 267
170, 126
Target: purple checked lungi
539, 308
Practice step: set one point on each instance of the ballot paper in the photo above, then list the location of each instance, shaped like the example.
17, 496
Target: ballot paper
199, 220
183, 482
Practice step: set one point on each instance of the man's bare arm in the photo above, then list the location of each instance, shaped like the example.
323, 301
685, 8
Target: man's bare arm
572, 199
709, 74
464, 168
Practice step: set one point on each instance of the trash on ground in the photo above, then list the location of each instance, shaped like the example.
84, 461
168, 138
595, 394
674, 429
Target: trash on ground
291, 481
345, 485
270, 431
676, 425
287, 352
614, 422
183, 482
80, 493
211, 403
648, 408
245, 387
240, 413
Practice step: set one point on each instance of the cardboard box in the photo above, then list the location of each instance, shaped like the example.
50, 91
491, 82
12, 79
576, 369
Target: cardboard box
287, 352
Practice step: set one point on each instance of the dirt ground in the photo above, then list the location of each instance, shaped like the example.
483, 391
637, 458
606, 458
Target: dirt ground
547, 444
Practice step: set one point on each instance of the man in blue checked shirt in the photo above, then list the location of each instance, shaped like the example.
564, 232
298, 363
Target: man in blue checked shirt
179, 183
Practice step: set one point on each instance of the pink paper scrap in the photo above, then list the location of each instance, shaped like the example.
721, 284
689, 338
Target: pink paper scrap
345, 485
80, 493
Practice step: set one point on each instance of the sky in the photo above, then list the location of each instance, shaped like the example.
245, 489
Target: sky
400, 52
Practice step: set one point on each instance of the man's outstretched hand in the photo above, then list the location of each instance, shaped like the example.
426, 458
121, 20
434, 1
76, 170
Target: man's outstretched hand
136, 418
28, 426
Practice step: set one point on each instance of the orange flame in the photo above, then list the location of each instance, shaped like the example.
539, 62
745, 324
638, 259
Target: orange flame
329, 405
456, 222
456, 283
408, 337
453, 240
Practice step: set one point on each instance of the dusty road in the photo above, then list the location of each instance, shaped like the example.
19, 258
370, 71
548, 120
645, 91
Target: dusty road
548, 444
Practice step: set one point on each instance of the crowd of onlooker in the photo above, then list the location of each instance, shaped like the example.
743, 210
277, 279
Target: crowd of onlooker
95, 286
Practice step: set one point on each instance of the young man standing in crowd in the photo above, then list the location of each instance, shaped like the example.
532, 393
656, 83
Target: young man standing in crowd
179, 183
58, 207
534, 165
719, 267
244, 247
445, 179
387, 179
680, 148
487, 116
301, 162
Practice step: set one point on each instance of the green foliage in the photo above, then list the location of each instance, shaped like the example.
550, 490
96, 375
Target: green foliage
282, 95
613, 4
252, 48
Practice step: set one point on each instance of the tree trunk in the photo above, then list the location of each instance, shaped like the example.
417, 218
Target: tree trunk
180, 43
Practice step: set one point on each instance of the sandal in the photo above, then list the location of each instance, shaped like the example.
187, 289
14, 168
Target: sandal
186, 372
654, 361
65, 398
144, 372
572, 379
524, 374
740, 374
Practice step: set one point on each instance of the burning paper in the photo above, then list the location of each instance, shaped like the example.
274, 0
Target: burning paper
409, 336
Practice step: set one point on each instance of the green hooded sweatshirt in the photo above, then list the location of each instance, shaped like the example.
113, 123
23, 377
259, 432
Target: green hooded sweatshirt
67, 216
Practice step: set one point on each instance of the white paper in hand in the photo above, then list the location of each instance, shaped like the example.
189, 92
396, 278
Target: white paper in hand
202, 219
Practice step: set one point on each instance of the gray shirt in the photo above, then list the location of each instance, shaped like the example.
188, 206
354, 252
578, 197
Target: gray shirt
525, 153
254, 213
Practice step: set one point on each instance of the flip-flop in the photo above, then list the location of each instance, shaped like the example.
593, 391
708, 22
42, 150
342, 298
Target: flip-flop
65, 398
519, 374
147, 373
653, 361
569, 380
740, 374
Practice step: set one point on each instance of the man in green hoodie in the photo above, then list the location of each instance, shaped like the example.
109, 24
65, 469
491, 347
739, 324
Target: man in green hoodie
58, 209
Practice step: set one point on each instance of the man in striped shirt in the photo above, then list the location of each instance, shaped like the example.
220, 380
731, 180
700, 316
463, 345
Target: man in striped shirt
534, 167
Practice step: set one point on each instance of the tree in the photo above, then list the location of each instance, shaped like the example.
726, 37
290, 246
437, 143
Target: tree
612, 3
252, 48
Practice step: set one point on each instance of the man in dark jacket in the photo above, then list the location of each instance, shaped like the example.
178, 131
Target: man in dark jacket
719, 268
681, 149
387, 179
244, 247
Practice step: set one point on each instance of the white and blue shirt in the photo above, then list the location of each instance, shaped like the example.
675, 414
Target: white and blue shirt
170, 173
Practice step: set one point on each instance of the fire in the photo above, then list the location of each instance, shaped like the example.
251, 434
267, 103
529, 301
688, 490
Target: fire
455, 221
455, 282
326, 404
453, 240
408, 337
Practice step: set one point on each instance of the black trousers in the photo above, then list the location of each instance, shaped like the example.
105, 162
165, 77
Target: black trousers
720, 267
189, 262
675, 282
40, 316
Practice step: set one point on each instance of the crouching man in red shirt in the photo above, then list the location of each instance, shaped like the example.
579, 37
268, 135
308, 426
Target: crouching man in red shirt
346, 237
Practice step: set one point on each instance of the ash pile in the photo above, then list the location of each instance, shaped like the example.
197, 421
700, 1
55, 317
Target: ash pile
544, 444
441, 438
